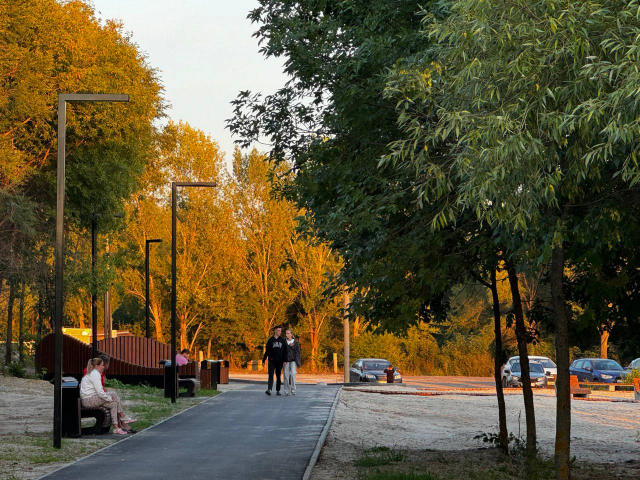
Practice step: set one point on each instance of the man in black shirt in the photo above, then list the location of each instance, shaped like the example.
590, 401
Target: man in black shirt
276, 352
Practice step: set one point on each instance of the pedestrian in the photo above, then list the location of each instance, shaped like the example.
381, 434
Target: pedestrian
293, 363
276, 352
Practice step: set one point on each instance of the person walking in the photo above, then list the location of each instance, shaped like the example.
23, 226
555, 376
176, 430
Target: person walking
293, 363
276, 352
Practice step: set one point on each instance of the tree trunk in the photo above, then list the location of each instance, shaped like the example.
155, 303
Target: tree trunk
527, 391
314, 351
157, 322
21, 326
563, 390
12, 294
604, 343
183, 334
209, 348
499, 359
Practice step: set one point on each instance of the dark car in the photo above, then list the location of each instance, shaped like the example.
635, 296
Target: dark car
597, 370
371, 370
536, 373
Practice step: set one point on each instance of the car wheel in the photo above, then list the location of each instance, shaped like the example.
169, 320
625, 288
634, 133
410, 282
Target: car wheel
504, 382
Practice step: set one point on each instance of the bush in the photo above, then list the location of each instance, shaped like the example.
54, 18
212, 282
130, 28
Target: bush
628, 378
17, 370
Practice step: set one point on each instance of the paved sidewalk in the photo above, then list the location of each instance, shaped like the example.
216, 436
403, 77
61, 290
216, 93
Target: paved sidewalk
239, 435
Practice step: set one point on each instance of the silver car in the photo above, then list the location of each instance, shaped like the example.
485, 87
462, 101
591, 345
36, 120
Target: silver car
536, 372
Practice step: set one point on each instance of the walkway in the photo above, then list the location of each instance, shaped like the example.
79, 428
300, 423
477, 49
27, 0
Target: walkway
241, 434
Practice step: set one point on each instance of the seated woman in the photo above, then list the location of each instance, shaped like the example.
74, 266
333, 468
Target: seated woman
92, 395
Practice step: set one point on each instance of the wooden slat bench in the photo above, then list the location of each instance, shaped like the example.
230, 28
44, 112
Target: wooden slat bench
576, 390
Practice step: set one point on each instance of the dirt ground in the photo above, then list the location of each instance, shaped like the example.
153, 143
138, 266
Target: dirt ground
437, 433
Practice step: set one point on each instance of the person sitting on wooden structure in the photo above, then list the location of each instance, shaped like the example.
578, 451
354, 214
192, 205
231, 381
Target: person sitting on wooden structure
182, 358
93, 395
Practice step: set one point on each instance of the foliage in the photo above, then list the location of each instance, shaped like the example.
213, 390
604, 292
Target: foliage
17, 370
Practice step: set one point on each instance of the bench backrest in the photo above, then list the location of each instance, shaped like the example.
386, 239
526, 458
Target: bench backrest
574, 382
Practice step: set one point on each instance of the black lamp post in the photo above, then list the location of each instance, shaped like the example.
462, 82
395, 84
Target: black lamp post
63, 98
174, 202
146, 280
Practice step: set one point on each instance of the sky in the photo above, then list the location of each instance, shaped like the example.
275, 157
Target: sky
205, 54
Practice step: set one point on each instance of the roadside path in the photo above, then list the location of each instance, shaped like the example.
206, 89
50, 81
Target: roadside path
241, 434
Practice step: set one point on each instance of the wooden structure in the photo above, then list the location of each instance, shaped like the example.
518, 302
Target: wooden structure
134, 359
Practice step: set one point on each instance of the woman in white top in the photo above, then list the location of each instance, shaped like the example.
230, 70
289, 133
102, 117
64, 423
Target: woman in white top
92, 395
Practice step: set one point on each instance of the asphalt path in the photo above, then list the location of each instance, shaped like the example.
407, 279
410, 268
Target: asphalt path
238, 435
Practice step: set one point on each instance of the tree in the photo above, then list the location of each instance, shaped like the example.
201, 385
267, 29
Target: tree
537, 103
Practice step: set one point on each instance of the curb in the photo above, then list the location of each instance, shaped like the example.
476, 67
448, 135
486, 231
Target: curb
129, 437
323, 437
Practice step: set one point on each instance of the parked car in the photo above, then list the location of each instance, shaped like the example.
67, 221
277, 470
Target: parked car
536, 372
371, 370
635, 365
550, 368
597, 370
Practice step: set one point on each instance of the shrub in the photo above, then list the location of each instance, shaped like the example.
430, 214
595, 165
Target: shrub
17, 370
635, 373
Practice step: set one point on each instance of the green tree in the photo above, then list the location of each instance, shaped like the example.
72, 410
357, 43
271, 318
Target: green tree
537, 102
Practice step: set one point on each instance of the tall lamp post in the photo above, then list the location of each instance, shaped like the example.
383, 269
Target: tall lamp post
146, 283
63, 98
94, 296
174, 203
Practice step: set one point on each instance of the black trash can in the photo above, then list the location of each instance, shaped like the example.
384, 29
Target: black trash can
71, 423
168, 379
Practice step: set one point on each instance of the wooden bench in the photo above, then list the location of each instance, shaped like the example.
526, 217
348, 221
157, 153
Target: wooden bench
103, 421
576, 390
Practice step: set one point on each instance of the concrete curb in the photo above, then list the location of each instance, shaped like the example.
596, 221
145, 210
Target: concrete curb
323, 437
129, 437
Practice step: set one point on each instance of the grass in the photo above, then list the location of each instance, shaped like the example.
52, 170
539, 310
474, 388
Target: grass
378, 475
148, 405
20, 453
379, 456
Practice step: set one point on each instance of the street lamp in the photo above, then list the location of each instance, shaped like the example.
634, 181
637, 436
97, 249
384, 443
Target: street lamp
146, 278
94, 296
63, 98
174, 202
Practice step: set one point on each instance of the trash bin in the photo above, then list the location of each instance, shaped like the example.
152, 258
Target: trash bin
219, 370
636, 389
71, 423
168, 378
206, 375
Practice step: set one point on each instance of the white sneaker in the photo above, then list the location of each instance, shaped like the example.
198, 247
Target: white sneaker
293, 393
286, 394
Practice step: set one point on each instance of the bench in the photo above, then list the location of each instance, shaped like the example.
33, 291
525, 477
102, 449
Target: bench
103, 421
73, 413
191, 384
576, 390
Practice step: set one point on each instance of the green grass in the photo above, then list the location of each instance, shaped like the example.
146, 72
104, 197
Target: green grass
399, 476
147, 404
150, 406
379, 456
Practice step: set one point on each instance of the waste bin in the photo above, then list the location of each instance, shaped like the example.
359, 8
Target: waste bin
206, 375
219, 370
168, 378
71, 424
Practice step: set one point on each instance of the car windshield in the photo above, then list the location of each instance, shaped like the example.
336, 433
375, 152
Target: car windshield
376, 365
606, 365
546, 363
533, 367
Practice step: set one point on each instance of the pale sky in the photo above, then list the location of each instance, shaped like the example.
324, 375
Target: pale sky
205, 52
